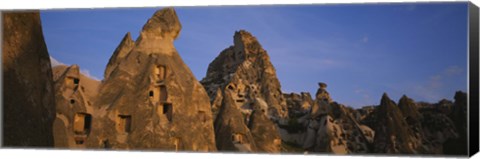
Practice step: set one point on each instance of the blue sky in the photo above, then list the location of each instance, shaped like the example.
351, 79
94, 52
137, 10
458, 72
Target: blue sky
359, 50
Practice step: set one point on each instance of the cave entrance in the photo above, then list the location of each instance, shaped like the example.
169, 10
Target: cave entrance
82, 123
124, 123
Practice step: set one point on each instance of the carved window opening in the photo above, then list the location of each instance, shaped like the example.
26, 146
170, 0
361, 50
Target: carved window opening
240, 100
168, 111
159, 94
237, 138
203, 117
124, 123
106, 144
72, 101
76, 81
230, 87
150, 94
160, 72
82, 123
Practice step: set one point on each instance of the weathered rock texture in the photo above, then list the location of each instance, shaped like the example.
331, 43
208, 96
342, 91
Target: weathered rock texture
28, 95
119, 54
246, 69
459, 115
246, 95
150, 98
392, 134
75, 93
333, 127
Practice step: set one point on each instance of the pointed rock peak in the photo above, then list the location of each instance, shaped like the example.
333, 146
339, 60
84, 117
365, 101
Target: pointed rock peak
405, 101
163, 23
127, 38
385, 96
244, 38
385, 100
243, 34
73, 71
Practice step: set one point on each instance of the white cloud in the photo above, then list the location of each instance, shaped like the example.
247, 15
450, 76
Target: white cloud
430, 90
54, 62
86, 72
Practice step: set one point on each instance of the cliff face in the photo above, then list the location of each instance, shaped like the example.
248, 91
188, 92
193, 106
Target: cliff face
242, 81
28, 97
151, 100
75, 94
245, 68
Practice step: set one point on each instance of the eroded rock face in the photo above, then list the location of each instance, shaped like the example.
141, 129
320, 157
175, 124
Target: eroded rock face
242, 84
151, 100
392, 133
298, 104
119, 54
75, 93
28, 98
458, 146
245, 68
231, 131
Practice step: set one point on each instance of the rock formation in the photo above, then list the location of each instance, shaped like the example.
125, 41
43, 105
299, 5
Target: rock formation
75, 93
392, 133
242, 84
245, 68
332, 127
298, 104
459, 115
28, 96
119, 54
150, 98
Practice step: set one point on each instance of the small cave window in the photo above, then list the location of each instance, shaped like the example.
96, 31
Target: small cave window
82, 123
124, 123
150, 94
72, 101
240, 100
203, 117
230, 87
76, 81
168, 110
106, 144
160, 72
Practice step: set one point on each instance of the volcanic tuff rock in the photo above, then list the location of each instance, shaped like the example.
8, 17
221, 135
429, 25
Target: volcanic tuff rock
28, 97
242, 84
392, 134
298, 104
245, 68
75, 93
119, 54
332, 127
151, 100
